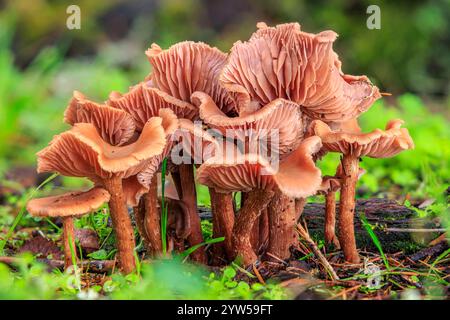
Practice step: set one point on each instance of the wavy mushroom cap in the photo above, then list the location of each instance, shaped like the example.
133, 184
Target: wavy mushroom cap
143, 102
187, 67
75, 203
284, 62
280, 120
375, 144
296, 177
81, 152
114, 126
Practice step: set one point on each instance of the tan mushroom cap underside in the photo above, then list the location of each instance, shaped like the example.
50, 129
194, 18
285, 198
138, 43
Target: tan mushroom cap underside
280, 117
115, 126
187, 67
143, 102
75, 203
81, 152
297, 176
284, 62
375, 144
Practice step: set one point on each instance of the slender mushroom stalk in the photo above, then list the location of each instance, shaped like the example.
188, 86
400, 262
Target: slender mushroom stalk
223, 220
256, 201
152, 218
67, 206
282, 223
121, 223
330, 219
328, 188
350, 167
69, 242
189, 197
353, 146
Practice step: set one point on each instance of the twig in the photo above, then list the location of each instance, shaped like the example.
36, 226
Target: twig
258, 275
415, 230
98, 266
304, 234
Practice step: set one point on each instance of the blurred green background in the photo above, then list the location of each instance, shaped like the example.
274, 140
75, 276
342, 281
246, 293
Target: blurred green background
42, 62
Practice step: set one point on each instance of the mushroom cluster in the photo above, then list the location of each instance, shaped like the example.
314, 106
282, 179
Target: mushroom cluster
253, 121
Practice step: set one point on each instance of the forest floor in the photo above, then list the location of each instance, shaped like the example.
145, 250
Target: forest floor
403, 256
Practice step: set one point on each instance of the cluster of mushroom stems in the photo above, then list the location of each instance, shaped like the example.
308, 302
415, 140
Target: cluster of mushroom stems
283, 87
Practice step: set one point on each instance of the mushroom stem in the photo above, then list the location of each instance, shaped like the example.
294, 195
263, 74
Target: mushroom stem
121, 224
189, 197
152, 220
299, 206
330, 219
350, 165
223, 220
255, 202
139, 217
69, 240
282, 223
263, 228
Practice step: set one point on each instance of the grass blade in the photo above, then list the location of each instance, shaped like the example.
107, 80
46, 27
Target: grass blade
163, 208
375, 240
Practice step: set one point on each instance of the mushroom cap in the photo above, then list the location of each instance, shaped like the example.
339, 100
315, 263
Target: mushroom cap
187, 67
296, 177
375, 144
143, 102
280, 117
74, 203
114, 126
81, 152
284, 62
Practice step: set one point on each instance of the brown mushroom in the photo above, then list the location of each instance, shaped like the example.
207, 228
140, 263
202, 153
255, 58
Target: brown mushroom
284, 62
353, 146
81, 152
254, 174
68, 206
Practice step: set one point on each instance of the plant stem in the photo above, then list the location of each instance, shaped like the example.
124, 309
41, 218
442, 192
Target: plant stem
255, 201
350, 166
68, 237
121, 224
189, 198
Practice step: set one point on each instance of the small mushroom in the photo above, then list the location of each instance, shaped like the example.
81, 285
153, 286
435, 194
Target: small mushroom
253, 174
68, 206
81, 152
329, 187
353, 146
